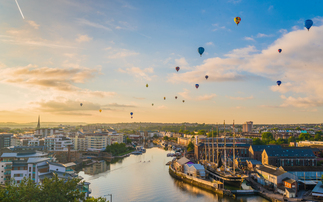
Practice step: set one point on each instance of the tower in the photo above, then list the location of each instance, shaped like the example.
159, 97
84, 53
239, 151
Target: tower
38, 125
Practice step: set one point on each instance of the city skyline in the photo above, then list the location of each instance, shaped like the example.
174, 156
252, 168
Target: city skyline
103, 54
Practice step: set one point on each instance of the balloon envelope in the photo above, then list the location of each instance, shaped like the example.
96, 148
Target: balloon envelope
183, 100
152, 104
131, 113
200, 50
81, 104
197, 86
237, 20
100, 110
175, 97
177, 68
164, 98
206, 76
308, 24
279, 50
147, 85
278, 83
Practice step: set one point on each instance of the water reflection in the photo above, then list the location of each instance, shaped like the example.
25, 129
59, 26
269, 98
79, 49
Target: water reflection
145, 178
97, 168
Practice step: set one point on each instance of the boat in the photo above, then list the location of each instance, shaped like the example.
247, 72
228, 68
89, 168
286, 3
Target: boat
224, 176
136, 152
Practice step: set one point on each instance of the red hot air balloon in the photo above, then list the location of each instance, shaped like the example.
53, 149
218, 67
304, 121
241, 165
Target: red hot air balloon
177, 68
197, 86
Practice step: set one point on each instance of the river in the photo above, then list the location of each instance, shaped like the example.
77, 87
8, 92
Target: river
145, 178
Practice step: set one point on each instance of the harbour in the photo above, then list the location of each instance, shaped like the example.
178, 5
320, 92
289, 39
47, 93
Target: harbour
129, 179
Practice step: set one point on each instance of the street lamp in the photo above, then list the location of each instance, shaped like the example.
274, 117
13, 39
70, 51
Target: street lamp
110, 196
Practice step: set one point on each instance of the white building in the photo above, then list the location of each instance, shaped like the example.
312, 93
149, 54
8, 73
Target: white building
57, 143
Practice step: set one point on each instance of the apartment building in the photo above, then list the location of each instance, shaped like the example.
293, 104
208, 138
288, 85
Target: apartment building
5, 140
57, 143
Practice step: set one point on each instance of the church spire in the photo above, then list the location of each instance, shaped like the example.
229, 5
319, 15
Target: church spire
38, 125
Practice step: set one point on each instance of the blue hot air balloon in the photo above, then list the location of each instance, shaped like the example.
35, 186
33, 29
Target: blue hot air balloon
131, 113
278, 83
308, 24
206, 76
279, 50
200, 50
197, 86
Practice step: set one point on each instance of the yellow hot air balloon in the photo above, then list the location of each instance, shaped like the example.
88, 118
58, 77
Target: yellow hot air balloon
147, 85
100, 110
164, 98
237, 20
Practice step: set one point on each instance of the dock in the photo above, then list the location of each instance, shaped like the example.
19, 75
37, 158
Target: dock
244, 192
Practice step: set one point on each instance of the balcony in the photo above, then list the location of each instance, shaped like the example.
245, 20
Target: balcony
7, 173
8, 167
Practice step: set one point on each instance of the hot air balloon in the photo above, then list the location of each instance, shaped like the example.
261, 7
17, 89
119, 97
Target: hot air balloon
81, 104
164, 98
197, 86
131, 113
177, 68
278, 83
147, 85
206, 76
100, 110
200, 50
183, 100
237, 20
131, 117
308, 24
279, 50
152, 104
175, 97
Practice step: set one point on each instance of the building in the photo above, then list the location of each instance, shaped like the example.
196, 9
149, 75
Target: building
180, 164
318, 190
308, 143
252, 163
195, 170
255, 151
97, 141
12, 163
79, 142
288, 157
247, 127
57, 143
184, 141
44, 132
272, 176
309, 174
5, 140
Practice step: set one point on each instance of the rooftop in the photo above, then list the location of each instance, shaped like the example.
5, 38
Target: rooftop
257, 148
303, 168
183, 160
37, 160
289, 152
66, 165
271, 171
24, 154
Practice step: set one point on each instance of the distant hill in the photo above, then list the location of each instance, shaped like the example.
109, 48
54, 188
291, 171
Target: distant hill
34, 124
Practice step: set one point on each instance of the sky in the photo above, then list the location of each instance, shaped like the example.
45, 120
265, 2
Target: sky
103, 53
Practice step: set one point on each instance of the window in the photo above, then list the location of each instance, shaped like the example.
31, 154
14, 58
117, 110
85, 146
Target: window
29, 169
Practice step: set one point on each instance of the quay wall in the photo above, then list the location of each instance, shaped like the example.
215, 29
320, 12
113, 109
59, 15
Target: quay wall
209, 186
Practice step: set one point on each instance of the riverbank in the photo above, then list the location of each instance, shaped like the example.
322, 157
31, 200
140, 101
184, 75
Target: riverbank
203, 184
269, 195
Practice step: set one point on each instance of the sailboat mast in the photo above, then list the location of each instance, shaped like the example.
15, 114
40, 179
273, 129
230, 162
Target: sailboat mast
208, 146
225, 149
234, 151
212, 146
217, 147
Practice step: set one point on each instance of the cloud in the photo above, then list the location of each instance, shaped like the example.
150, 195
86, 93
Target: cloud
162, 107
206, 97
209, 43
185, 94
56, 79
139, 73
217, 27
83, 38
249, 38
241, 98
122, 54
139, 98
260, 35
300, 68
93, 24
270, 8
33, 24
117, 105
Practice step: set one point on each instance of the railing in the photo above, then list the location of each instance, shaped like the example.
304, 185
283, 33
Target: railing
8, 167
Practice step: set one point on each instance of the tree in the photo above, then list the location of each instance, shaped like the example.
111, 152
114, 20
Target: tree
281, 141
272, 142
201, 132
304, 136
128, 140
190, 147
291, 139
166, 138
51, 190
267, 136
257, 141
317, 137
